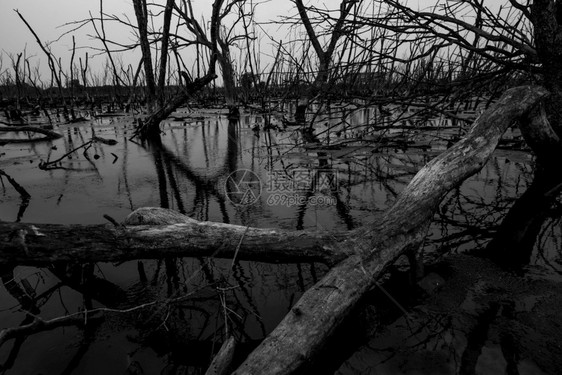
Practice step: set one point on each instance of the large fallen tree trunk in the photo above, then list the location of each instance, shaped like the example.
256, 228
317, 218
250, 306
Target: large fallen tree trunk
173, 235
316, 315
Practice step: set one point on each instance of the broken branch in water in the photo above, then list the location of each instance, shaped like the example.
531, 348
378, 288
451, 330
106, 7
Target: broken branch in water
52, 164
79, 319
40, 325
112, 221
20, 189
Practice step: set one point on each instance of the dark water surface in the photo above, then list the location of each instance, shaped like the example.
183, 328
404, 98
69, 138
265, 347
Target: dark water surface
189, 173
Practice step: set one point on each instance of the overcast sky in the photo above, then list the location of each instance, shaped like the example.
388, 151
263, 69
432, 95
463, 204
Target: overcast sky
46, 17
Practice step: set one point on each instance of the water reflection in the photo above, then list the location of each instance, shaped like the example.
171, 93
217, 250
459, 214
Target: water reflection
530, 232
189, 304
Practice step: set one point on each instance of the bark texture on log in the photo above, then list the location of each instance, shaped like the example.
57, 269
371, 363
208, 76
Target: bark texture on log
541, 137
158, 233
222, 362
317, 314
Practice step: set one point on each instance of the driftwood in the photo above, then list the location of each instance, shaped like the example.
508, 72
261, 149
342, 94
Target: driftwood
364, 254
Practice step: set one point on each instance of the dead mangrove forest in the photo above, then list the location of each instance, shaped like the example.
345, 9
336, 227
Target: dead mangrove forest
248, 187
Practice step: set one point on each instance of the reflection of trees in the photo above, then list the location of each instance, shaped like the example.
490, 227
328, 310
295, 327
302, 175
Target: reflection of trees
491, 216
470, 213
30, 303
187, 313
167, 164
530, 217
183, 310
24, 195
504, 216
481, 310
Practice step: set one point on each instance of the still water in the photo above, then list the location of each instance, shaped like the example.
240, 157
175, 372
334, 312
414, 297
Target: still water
170, 316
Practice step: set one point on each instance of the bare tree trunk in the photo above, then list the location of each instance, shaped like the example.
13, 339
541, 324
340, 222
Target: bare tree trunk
150, 127
229, 83
546, 16
164, 49
142, 22
324, 56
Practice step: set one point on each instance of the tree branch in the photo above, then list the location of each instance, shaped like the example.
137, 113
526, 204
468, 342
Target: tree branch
323, 307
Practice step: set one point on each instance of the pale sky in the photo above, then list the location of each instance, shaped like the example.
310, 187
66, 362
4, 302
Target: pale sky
46, 17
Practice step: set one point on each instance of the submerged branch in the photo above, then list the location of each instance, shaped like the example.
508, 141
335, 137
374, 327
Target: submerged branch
40, 325
20, 189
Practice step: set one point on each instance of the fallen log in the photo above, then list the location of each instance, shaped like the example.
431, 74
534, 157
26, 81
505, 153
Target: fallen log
304, 330
139, 238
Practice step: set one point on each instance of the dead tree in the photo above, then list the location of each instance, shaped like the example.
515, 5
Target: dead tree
362, 256
487, 47
546, 17
323, 54
516, 42
440, 59
50, 57
486, 51
155, 75
150, 126
154, 87
226, 38
141, 14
